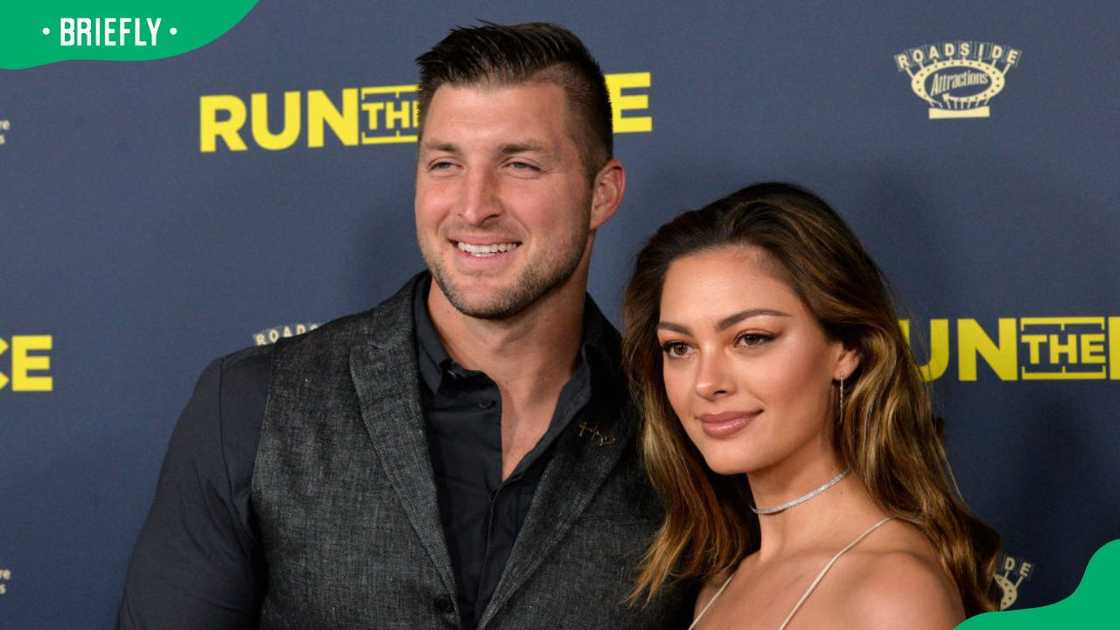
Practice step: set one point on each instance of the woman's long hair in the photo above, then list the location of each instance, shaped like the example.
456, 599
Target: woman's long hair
887, 436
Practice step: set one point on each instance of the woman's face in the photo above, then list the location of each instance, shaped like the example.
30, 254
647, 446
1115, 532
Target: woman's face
747, 368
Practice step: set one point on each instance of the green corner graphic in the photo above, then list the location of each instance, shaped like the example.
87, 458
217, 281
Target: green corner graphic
38, 33
1092, 605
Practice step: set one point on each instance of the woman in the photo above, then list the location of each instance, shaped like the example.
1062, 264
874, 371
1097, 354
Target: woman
761, 339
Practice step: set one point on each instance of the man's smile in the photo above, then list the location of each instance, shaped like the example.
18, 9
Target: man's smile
491, 249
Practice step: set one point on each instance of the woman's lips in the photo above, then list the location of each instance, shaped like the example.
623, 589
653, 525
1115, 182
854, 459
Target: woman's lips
721, 425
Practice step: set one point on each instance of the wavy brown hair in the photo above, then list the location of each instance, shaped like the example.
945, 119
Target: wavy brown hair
888, 435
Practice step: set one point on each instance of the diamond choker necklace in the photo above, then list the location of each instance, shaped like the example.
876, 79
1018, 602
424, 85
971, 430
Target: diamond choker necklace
803, 498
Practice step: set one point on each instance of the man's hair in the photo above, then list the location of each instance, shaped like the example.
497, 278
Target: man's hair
523, 53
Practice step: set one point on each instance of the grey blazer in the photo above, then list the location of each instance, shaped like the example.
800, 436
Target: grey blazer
346, 504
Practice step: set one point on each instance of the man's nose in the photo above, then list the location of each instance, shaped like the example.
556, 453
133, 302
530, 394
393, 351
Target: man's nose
480, 197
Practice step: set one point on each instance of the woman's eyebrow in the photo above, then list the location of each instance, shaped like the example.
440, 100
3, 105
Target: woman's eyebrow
726, 322
731, 320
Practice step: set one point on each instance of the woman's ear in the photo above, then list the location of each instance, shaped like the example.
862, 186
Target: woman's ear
847, 360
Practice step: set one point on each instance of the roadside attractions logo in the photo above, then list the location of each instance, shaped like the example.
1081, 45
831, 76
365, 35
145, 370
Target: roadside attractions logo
276, 333
1067, 348
388, 114
958, 79
1010, 575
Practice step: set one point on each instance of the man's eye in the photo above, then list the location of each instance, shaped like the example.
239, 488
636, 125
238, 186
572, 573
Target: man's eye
441, 165
523, 166
674, 349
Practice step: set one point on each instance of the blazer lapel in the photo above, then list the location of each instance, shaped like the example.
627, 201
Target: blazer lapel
584, 457
386, 377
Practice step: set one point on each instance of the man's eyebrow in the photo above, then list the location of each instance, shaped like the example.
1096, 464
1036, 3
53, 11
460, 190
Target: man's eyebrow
510, 148
441, 147
522, 147
726, 322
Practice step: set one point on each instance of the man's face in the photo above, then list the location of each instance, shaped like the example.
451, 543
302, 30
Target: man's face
504, 206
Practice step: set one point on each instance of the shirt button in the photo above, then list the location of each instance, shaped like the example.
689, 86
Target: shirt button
444, 605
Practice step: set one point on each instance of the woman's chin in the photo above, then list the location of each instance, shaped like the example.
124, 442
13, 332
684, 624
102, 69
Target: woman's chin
728, 466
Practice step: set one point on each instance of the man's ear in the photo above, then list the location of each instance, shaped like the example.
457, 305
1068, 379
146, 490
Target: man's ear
607, 192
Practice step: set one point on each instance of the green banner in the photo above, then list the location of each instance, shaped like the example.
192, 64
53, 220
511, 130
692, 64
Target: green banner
42, 32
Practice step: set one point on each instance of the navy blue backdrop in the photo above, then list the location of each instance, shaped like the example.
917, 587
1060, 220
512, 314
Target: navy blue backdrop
136, 243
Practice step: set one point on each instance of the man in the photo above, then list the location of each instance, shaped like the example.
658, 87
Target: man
460, 456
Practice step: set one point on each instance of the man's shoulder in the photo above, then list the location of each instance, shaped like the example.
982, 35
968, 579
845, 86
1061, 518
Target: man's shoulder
243, 378
232, 395
392, 317
246, 363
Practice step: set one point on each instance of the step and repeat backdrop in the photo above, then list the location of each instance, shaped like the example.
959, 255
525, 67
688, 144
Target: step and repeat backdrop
155, 215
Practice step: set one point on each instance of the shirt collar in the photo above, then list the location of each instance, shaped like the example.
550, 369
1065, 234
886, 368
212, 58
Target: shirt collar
432, 356
597, 348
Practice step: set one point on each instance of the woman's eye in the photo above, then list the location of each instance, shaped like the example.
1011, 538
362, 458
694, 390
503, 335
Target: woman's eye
752, 339
674, 349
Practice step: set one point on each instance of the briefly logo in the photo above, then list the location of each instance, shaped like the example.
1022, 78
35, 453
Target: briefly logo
108, 32
1010, 575
5, 578
272, 335
958, 79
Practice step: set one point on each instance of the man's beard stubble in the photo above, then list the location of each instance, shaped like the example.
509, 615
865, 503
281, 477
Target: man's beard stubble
533, 284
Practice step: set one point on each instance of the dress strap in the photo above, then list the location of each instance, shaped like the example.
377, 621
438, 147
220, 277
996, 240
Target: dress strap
808, 591
711, 601
827, 567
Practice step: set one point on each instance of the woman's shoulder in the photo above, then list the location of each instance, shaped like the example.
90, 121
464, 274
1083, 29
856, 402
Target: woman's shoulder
896, 580
709, 589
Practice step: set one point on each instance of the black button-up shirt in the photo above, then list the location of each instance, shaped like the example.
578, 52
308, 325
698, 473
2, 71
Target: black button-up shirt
481, 513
